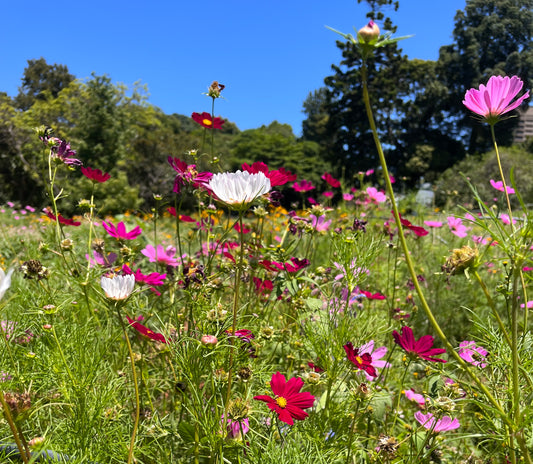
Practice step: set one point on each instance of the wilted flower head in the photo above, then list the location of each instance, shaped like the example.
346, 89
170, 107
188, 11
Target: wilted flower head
460, 260
215, 89
494, 99
118, 287
239, 189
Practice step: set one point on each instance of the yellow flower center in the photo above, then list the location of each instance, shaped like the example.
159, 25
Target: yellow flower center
282, 402
207, 122
359, 359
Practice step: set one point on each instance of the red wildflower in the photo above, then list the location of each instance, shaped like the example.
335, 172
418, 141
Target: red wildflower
295, 265
172, 211
143, 330
331, 180
277, 176
207, 121
244, 334
95, 175
421, 347
315, 368
361, 361
288, 402
119, 232
373, 296
61, 219
418, 231
262, 287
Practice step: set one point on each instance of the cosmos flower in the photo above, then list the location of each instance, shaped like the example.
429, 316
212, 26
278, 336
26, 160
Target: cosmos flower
457, 227
422, 348
61, 219
433, 223
499, 186
207, 121
430, 422
331, 180
495, 99
362, 361
320, 224
161, 255
376, 354
473, 354
95, 175
288, 402
373, 296
303, 186
418, 231
277, 176
187, 175
118, 287
119, 232
416, 397
143, 330
375, 195
239, 189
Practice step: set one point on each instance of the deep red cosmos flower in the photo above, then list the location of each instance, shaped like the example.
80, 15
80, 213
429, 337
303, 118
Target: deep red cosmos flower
361, 361
61, 219
172, 211
119, 232
331, 180
277, 176
143, 330
207, 121
294, 265
421, 347
263, 287
95, 174
288, 402
418, 231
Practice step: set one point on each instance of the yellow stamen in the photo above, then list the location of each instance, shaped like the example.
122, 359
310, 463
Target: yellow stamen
282, 402
359, 359
207, 122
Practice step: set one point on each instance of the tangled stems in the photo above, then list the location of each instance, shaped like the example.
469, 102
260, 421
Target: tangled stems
14, 430
512, 425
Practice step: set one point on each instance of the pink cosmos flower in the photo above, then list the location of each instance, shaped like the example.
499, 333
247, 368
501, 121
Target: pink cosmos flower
433, 223
422, 348
473, 354
429, 422
457, 227
376, 354
96, 175
375, 195
236, 429
416, 397
119, 232
373, 296
506, 219
154, 278
331, 180
347, 196
277, 176
494, 99
294, 265
499, 186
320, 224
161, 255
101, 260
529, 304
328, 194
303, 186
188, 175
362, 361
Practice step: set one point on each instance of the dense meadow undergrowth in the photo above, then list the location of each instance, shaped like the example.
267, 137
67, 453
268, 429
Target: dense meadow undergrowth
344, 329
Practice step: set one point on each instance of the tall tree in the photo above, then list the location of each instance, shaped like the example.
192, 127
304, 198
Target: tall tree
491, 37
40, 81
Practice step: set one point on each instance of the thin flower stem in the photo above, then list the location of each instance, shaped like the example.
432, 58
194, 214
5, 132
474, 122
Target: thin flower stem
91, 230
409, 263
136, 388
13, 427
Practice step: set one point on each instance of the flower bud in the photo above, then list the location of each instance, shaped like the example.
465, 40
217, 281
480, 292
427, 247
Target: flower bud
369, 33
209, 341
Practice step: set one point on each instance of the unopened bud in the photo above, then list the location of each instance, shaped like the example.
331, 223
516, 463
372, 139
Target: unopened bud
369, 33
209, 340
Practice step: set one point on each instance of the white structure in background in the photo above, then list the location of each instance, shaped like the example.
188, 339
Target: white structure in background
525, 126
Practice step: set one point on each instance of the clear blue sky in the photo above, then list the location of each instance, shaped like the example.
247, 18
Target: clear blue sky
270, 55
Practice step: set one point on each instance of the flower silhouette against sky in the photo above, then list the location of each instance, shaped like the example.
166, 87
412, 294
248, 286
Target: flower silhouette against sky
207, 121
422, 348
496, 98
429, 422
119, 232
288, 401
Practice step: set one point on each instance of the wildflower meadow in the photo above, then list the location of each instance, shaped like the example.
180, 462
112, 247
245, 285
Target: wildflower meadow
227, 326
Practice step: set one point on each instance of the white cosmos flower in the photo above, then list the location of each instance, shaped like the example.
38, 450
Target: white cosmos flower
118, 287
5, 281
238, 189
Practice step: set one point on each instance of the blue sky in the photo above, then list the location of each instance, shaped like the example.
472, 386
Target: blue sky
270, 55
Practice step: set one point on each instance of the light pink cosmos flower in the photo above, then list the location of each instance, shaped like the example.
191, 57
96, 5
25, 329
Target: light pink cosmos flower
433, 223
506, 219
119, 232
376, 355
457, 227
429, 422
499, 186
473, 354
347, 196
416, 397
161, 255
529, 304
320, 224
375, 195
494, 99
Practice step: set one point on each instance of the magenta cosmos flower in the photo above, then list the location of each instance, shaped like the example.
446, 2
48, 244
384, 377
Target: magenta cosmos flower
473, 354
277, 176
143, 330
320, 224
161, 255
187, 175
96, 175
119, 232
303, 186
362, 361
457, 227
376, 355
288, 402
498, 185
496, 98
422, 348
331, 180
417, 230
429, 422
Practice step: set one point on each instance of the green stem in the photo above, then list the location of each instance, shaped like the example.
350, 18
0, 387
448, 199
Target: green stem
409, 263
13, 427
136, 387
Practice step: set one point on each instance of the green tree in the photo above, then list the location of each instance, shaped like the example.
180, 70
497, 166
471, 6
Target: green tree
491, 37
41, 81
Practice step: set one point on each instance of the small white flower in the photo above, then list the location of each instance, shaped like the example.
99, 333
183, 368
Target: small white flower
118, 287
5, 281
239, 189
